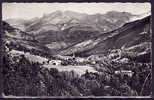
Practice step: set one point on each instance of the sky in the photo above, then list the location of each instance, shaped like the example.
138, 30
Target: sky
31, 10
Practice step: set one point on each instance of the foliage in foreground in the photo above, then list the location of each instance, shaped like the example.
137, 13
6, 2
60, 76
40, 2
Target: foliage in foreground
25, 78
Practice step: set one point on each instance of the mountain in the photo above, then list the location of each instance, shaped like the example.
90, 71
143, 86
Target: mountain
69, 17
20, 23
64, 29
70, 32
17, 23
19, 40
133, 35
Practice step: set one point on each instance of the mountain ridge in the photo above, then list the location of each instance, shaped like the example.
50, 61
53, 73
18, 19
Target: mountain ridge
115, 35
67, 33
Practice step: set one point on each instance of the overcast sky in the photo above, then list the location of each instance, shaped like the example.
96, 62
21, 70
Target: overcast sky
30, 10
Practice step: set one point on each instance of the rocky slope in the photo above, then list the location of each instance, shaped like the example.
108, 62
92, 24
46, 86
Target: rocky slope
69, 32
20, 40
131, 35
67, 28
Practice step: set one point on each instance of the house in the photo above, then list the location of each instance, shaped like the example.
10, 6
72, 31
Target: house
55, 62
79, 59
124, 72
63, 57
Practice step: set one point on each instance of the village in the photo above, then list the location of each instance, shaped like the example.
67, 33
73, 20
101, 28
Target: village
66, 50
78, 64
69, 63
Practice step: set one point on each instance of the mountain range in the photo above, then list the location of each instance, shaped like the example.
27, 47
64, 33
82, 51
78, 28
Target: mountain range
70, 32
67, 28
135, 35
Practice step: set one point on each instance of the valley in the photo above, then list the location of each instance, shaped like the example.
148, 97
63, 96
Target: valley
76, 54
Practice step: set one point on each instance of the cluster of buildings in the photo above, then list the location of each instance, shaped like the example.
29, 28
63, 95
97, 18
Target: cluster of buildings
72, 60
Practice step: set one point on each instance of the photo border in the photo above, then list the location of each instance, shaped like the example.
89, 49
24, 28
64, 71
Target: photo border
72, 97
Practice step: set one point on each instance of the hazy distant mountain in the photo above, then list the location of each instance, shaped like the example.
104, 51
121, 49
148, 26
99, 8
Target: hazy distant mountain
67, 28
17, 23
71, 17
20, 40
67, 31
133, 35
20, 23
